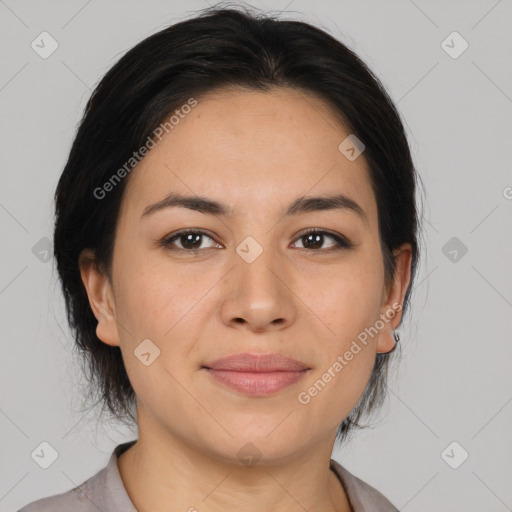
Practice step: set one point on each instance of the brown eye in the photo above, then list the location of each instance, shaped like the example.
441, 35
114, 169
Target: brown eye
314, 239
189, 240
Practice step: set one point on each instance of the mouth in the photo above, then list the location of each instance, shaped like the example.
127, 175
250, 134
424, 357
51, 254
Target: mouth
256, 383
257, 375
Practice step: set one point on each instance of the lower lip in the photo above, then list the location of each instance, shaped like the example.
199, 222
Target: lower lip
257, 383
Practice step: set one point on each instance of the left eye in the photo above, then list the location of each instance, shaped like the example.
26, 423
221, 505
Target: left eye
190, 240
316, 237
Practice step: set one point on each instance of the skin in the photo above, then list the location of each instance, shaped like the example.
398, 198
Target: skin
257, 152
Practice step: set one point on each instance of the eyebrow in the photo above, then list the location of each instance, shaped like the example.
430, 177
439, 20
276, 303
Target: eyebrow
303, 204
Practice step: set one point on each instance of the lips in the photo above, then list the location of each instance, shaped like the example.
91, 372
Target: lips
257, 375
263, 363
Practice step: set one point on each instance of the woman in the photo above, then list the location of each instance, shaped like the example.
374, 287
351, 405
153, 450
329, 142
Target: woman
236, 238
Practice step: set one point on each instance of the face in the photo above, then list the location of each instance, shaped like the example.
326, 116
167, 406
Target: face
249, 280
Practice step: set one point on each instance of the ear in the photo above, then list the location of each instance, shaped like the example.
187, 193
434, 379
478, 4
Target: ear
393, 297
101, 298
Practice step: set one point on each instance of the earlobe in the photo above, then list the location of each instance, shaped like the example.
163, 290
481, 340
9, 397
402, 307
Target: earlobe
101, 298
396, 339
386, 341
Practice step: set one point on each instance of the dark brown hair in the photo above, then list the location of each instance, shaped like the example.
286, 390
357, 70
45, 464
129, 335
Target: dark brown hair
218, 48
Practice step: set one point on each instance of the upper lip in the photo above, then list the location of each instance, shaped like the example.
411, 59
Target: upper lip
263, 363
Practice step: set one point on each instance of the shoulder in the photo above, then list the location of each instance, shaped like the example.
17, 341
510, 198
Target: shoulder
102, 491
82, 498
362, 496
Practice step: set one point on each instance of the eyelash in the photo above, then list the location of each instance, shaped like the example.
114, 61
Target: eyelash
342, 242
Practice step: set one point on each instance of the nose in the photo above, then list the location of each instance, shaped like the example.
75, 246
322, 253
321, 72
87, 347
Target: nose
259, 296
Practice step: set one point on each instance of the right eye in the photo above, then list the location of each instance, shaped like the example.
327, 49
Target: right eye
190, 240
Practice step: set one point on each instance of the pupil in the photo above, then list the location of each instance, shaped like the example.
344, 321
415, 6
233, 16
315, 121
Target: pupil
316, 238
191, 239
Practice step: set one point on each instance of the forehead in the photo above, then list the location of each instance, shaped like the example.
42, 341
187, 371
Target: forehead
252, 149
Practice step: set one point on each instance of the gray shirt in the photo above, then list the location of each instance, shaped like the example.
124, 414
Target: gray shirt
105, 492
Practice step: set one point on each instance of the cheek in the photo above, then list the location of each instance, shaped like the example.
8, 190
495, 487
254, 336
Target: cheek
349, 304
164, 306
150, 299
336, 386
349, 301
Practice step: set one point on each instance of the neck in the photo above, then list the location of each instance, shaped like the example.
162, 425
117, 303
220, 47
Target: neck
164, 474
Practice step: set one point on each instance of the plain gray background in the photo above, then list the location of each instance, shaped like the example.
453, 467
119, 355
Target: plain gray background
454, 383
